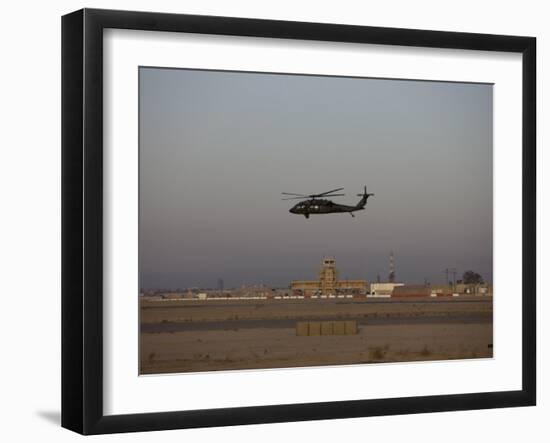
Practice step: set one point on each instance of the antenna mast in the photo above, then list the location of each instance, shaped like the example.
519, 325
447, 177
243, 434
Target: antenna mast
391, 276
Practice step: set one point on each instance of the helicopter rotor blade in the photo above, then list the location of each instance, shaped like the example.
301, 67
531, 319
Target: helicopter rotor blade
328, 192
306, 197
323, 194
292, 193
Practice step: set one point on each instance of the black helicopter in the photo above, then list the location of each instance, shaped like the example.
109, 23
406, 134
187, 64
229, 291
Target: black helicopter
317, 205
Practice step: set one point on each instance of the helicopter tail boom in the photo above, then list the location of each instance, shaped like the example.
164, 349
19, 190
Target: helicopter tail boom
364, 197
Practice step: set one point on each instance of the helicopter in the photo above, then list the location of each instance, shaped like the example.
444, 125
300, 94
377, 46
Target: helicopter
315, 204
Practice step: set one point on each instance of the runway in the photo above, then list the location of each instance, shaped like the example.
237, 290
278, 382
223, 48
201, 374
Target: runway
291, 323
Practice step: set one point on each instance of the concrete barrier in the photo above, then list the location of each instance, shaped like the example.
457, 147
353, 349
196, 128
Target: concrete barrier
302, 329
339, 328
314, 328
351, 327
324, 328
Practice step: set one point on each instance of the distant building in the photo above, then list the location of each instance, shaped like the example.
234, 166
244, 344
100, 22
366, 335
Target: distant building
383, 289
281, 292
328, 283
256, 291
441, 290
411, 291
461, 288
172, 295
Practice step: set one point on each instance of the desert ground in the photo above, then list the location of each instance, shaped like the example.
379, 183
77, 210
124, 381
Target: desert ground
210, 335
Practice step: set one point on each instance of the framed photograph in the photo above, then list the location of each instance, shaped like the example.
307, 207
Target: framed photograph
269, 221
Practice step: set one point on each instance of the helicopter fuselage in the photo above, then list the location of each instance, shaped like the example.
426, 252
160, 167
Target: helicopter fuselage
322, 206
316, 205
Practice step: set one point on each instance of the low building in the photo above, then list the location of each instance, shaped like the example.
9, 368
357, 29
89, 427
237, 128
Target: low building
412, 291
478, 289
383, 289
462, 288
252, 292
444, 290
328, 283
172, 295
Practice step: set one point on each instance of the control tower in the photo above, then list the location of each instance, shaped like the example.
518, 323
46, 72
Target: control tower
328, 276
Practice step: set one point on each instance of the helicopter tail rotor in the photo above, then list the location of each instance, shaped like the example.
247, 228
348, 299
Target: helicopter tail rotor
365, 194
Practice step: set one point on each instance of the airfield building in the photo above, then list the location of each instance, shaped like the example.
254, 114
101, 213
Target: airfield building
329, 283
383, 289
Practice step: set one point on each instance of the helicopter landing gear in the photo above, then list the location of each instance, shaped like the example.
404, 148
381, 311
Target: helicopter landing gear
352, 214
306, 215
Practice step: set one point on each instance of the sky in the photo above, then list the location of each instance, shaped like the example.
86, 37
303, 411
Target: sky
217, 148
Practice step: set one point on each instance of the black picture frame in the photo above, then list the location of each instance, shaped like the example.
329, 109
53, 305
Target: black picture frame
82, 218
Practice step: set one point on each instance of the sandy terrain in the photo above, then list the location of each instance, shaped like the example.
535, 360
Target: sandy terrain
388, 332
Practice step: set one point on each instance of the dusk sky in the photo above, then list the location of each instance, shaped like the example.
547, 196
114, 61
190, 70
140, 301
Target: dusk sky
218, 148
